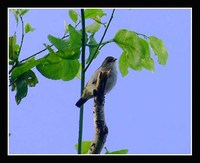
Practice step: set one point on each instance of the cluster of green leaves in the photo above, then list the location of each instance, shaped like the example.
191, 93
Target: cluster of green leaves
60, 64
86, 145
21, 76
136, 51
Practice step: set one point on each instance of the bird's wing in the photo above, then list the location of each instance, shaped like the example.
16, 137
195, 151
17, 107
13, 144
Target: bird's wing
93, 79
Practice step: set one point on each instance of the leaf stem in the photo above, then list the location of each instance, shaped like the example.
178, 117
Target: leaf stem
102, 44
82, 82
100, 41
145, 36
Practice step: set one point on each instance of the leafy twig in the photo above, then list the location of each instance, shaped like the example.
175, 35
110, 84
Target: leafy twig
40, 51
100, 40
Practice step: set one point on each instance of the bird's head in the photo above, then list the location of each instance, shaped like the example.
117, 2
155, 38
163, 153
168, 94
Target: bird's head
109, 62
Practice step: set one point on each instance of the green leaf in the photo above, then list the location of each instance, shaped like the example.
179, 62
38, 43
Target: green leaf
146, 61
60, 44
62, 70
15, 13
53, 58
13, 87
49, 48
93, 28
66, 27
23, 12
29, 64
73, 15
136, 67
92, 48
75, 37
159, 49
91, 13
66, 50
123, 151
31, 78
123, 64
148, 64
130, 43
78, 75
70, 53
21, 85
70, 48
28, 28
21, 88
85, 146
145, 51
13, 48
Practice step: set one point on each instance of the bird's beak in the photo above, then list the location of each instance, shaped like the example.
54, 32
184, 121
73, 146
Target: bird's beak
114, 59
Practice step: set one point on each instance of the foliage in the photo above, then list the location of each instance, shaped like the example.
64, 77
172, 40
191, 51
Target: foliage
122, 151
85, 146
63, 62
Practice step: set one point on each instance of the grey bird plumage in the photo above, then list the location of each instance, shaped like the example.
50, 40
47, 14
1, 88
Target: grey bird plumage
108, 64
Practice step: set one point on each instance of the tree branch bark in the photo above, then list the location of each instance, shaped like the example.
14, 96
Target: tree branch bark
101, 130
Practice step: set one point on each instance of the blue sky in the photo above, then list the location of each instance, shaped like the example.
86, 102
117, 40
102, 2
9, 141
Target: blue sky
146, 113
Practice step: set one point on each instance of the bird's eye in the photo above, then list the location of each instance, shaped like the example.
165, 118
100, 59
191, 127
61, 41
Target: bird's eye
110, 60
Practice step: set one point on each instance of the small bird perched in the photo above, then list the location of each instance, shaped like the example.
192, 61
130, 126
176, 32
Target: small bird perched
108, 64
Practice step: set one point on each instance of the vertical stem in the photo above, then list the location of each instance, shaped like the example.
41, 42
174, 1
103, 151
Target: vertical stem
82, 82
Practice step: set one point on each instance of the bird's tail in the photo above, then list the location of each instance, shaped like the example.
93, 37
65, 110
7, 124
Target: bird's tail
80, 102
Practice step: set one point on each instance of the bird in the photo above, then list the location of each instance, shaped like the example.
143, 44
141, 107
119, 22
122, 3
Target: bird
109, 64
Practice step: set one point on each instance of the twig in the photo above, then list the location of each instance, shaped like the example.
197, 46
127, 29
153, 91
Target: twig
101, 130
12, 82
100, 40
104, 24
22, 39
21, 43
103, 44
77, 24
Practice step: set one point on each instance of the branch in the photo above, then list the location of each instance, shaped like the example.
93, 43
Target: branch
82, 82
101, 130
20, 47
100, 41
22, 39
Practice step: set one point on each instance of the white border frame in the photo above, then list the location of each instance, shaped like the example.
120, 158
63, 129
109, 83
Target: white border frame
139, 8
